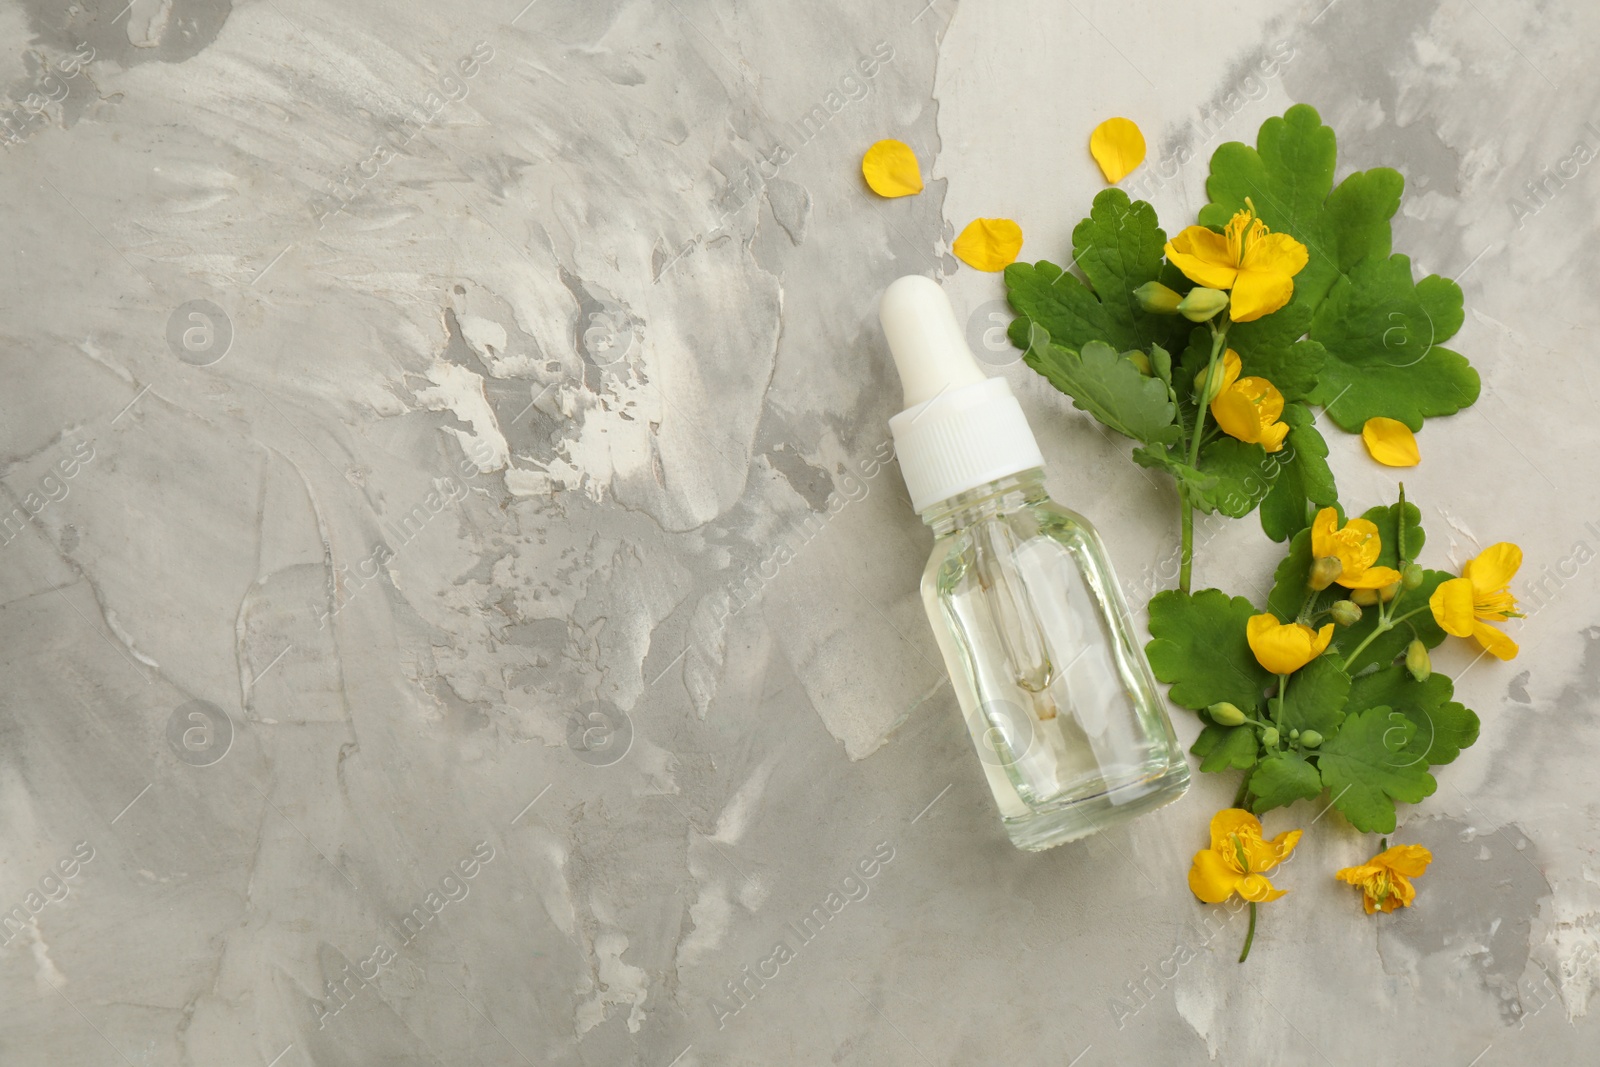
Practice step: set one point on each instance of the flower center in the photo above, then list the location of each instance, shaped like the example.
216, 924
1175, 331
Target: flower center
1384, 888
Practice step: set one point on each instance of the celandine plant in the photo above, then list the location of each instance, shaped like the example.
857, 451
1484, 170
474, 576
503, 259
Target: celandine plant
1210, 351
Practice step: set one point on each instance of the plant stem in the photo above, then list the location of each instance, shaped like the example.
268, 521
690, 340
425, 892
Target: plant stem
1250, 937
1186, 552
1306, 605
1217, 339
1384, 626
1244, 791
1186, 509
1283, 689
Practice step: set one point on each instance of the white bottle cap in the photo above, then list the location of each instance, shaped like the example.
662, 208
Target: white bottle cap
960, 429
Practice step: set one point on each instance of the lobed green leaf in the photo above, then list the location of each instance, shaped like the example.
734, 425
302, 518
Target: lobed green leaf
1367, 768
1100, 381
1198, 647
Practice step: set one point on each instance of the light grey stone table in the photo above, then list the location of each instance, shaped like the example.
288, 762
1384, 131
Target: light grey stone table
456, 609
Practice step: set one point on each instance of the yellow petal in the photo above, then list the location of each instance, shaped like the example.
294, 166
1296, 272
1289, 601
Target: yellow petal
1360, 874
1231, 366
1319, 641
1284, 843
989, 244
1257, 293
1390, 442
1272, 437
1203, 257
1452, 607
1273, 253
1401, 893
1370, 578
1493, 568
1494, 642
1409, 860
1323, 527
890, 168
1211, 879
1257, 890
1118, 146
1236, 415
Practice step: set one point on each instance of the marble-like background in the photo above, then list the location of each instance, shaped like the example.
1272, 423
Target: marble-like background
568, 409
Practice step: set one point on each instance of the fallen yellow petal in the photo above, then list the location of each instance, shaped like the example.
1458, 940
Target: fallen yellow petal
989, 244
890, 168
1391, 442
1118, 146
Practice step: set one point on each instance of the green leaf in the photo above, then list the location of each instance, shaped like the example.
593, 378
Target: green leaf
1392, 644
1388, 520
1315, 698
1281, 779
1243, 474
1443, 727
1383, 339
1366, 766
1289, 179
1108, 387
1221, 748
1118, 247
1289, 586
1198, 647
1356, 216
1190, 479
1271, 347
1303, 480
1161, 363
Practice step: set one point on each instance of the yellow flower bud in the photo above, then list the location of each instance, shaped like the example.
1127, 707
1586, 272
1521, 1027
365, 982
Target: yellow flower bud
1157, 298
1412, 576
1310, 739
1269, 737
1364, 597
1325, 571
1138, 359
1202, 304
1417, 661
1225, 714
1345, 612
1207, 386
1389, 592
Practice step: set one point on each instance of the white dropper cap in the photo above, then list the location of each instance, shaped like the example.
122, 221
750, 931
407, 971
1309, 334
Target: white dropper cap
929, 350
960, 429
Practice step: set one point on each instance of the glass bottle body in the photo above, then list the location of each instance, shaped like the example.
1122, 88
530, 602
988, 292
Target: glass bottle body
1055, 690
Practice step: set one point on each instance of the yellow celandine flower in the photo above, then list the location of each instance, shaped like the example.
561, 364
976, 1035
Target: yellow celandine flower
1236, 859
1466, 605
1385, 879
989, 244
1257, 265
1283, 648
1356, 546
890, 168
1248, 408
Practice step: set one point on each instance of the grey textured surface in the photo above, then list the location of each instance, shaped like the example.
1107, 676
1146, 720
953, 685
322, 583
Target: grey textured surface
495, 603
